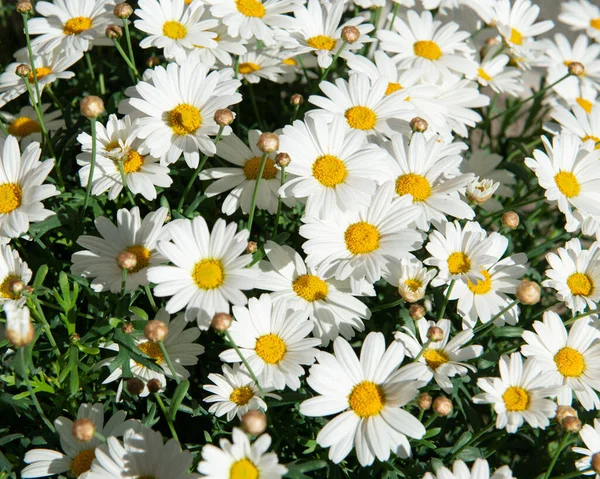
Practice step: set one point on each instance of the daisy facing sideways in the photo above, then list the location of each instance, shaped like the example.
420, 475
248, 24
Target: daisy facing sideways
583, 121
591, 438
582, 15
25, 125
410, 277
479, 470
14, 273
369, 399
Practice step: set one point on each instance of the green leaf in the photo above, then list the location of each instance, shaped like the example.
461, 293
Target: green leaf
39, 229
91, 350
138, 311
470, 454
464, 438
74, 374
40, 275
508, 332
432, 432
178, 396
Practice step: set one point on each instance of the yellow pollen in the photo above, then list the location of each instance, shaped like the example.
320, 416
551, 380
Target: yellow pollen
361, 117
361, 238
289, 61
412, 184
329, 170
516, 399
40, 73
270, 348
458, 263
10, 197
248, 67
253, 165
413, 284
427, 49
366, 399
241, 396
570, 362
23, 126
113, 145
580, 284
133, 162
392, 87
208, 274
515, 37
184, 119
321, 42
82, 462
590, 137
250, 8
310, 287
585, 104
483, 286
76, 25
435, 357
243, 469
174, 30
482, 74
595, 23
187, 2
567, 183
7, 285
142, 256
152, 350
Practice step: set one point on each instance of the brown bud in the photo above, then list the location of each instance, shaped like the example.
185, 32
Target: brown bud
251, 247
350, 34
297, 99
113, 32
127, 328
563, 412
156, 331
424, 401
268, 142
75, 337
596, 462
126, 260
416, 312
576, 68
154, 386
254, 422
16, 286
571, 424
282, 159
442, 406
91, 106
221, 322
529, 292
510, 220
224, 117
152, 61
135, 386
23, 70
20, 337
83, 429
123, 10
24, 7
418, 124
435, 334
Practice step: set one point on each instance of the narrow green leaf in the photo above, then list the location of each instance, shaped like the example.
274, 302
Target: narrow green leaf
178, 396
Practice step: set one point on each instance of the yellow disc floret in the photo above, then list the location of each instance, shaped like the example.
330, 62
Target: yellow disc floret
270, 348
208, 274
458, 263
413, 184
435, 357
567, 183
243, 469
366, 399
361, 238
427, 49
329, 170
516, 399
23, 126
361, 117
580, 284
321, 42
10, 197
253, 165
174, 30
241, 396
310, 287
82, 462
184, 119
250, 8
482, 286
570, 362
76, 25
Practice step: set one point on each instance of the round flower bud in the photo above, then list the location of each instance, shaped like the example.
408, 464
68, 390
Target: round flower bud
571, 424
23, 70
282, 159
16, 286
126, 260
123, 10
156, 331
254, 422
596, 462
127, 328
510, 220
252, 247
152, 61
435, 334
576, 68
221, 322
224, 117
563, 412
135, 386
113, 32
424, 401
83, 429
418, 124
416, 312
268, 142
91, 106
529, 292
154, 386
24, 7
297, 99
442, 406
350, 34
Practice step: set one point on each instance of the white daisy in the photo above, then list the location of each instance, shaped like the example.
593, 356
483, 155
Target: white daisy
582, 15
240, 459
581, 122
480, 470
440, 360
132, 235
25, 126
560, 54
519, 394
254, 65
12, 270
410, 277
221, 54
479, 191
176, 108
494, 72
591, 438
209, 270
369, 399
573, 92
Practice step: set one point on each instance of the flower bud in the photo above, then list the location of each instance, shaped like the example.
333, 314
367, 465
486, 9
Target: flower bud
350, 34
224, 117
156, 331
479, 191
563, 412
154, 386
152, 61
19, 330
127, 328
297, 99
123, 10
83, 429
529, 292
571, 424
126, 260
576, 68
416, 312
221, 322
113, 32
23, 70
24, 7
435, 334
135, 386
424, 401
251, 247
91, 106
16, 286
418, 125
254, 422
442, 406
510, 220
282, 160
268, 142
75, 338
596, 462
409, 294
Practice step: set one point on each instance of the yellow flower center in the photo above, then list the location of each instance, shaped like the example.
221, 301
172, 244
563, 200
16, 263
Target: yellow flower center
412, 184
458, 263
241, 396
515, 37
570, 362
208, 274
427, 49
248, 67
243, 469
482, 74
310, 287
321, 42
10, 197
595, 23
184, 119
483, 286
76, 25
152, 350
329, 170
361, 117
413, 284
289, 61
270, 348
250, 8
567, 183
40, 73
591, 137
174, 30
516, 399
253, 165
580, 284
133, 162
6, 288
113, 145
585, 104
361, 238
435, 357
23, 126
142, 256
392, 87
366, 399
82, 462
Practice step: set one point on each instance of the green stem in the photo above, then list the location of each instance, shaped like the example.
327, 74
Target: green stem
429, 422
161, 404
244, 362
446, 299
123, 281
124, 180
425, 346
333, 61
88, 61
570, 475
556, 455
21, 359
261, 169
127, 60
151, 298
511, 207
40, 117
394, 14
169, 362
38, 100
129, 48
304, 70
582, 315
496, 316
88, 188
45, 325
279, 202
388, 305
2, 127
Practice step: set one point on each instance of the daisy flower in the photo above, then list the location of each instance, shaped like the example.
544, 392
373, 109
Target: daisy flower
519, 394
494, 72
359, 244
591, 438
13, 271
333, 166
570, 174
174, 27
560, 53
427, 45
440, 360
176, 108
221, 52
480, 470
581, 122
272, 339
78, 455
235, 393
25, 126
575, 275
582, 15
369, 399
410, 277
240, 459
326, 301
253, 66
208, 272
574, 92
21, 188
71, 24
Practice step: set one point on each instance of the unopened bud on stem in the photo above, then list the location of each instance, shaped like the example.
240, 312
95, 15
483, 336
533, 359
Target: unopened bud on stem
268, 142
529, 292
156, 331
221, 322
350, 34
418, 125
510, 220
123, 10
91, 106
254, 422
224, 117
442, 406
